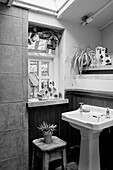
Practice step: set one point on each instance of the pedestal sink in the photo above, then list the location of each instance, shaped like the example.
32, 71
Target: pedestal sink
90, 125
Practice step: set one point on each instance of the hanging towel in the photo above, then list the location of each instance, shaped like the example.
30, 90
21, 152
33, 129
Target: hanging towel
33, 79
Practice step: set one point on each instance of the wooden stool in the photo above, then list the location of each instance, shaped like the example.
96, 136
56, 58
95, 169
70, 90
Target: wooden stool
49, 152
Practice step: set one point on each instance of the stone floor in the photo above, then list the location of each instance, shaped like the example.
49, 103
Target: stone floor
73, 166
70, 166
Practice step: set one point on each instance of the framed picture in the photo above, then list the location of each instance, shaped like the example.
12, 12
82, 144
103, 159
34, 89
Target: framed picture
33, 40
41, 46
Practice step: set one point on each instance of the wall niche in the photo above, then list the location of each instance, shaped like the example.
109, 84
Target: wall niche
42, 39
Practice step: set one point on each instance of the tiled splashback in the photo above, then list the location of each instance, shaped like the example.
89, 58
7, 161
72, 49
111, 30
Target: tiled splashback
96, 76
94, 82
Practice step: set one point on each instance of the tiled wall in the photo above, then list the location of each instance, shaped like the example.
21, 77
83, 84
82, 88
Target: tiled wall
97, 82
13, 88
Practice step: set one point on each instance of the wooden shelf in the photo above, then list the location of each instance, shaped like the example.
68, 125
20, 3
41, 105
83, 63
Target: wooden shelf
33, 54
108, 69
35, 103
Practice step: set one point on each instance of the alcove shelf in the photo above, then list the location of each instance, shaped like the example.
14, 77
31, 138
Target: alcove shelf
35, 54
108, 69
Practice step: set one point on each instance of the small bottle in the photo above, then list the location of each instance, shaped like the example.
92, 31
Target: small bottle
80, 106
107, 113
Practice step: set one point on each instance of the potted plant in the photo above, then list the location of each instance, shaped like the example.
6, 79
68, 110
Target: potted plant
47, 130
82, 59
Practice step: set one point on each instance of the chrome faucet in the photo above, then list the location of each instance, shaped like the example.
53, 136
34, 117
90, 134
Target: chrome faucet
107, 113
80, 106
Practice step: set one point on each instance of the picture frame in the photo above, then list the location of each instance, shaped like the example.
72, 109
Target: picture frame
41, 45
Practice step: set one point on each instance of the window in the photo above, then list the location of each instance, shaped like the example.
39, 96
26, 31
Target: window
43, 61
42, 69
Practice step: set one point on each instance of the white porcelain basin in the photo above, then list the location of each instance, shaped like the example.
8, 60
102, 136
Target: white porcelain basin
93, 120
90, 125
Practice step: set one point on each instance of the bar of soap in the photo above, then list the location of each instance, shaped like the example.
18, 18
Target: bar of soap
85, 109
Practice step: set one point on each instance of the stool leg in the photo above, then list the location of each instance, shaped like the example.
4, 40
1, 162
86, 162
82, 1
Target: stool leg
64, 160
33, 159
45, 163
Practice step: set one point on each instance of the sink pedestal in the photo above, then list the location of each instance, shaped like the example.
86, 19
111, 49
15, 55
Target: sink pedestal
90, 125
89, 149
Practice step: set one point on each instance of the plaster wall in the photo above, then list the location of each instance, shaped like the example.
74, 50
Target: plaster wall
74, 36
107, 39
49, 4
98, 82
77, 36
44, 20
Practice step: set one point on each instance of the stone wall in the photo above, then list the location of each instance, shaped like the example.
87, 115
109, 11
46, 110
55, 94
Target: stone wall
13, 88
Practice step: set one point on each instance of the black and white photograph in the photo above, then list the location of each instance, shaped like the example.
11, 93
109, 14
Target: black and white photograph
56, 84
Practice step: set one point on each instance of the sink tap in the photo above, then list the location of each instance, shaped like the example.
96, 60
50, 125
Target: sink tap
107, 113
80, 106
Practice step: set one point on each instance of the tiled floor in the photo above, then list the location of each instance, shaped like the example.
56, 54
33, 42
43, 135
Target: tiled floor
70, 166
73, 166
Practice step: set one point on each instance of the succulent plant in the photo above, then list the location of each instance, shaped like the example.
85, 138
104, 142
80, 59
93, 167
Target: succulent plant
45, 127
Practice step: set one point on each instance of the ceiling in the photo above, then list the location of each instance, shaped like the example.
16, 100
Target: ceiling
7, 2
100, 10
4, 1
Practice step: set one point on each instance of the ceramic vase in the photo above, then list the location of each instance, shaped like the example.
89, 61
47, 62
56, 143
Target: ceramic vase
47, 137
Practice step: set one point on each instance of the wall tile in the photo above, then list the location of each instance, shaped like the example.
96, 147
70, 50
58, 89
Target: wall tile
12, 164
26, 162
25, 61
25, 13
13, 11
25, 116
25, 33
10, 30
25, 88
13, 88
10, 88
10, 59
11, 116
26, 141
11, 144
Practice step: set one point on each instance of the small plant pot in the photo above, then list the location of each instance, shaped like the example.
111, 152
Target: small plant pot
47, 137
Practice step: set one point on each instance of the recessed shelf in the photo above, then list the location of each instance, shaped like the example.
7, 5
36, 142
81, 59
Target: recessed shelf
35, 103
108, 69
34, 54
